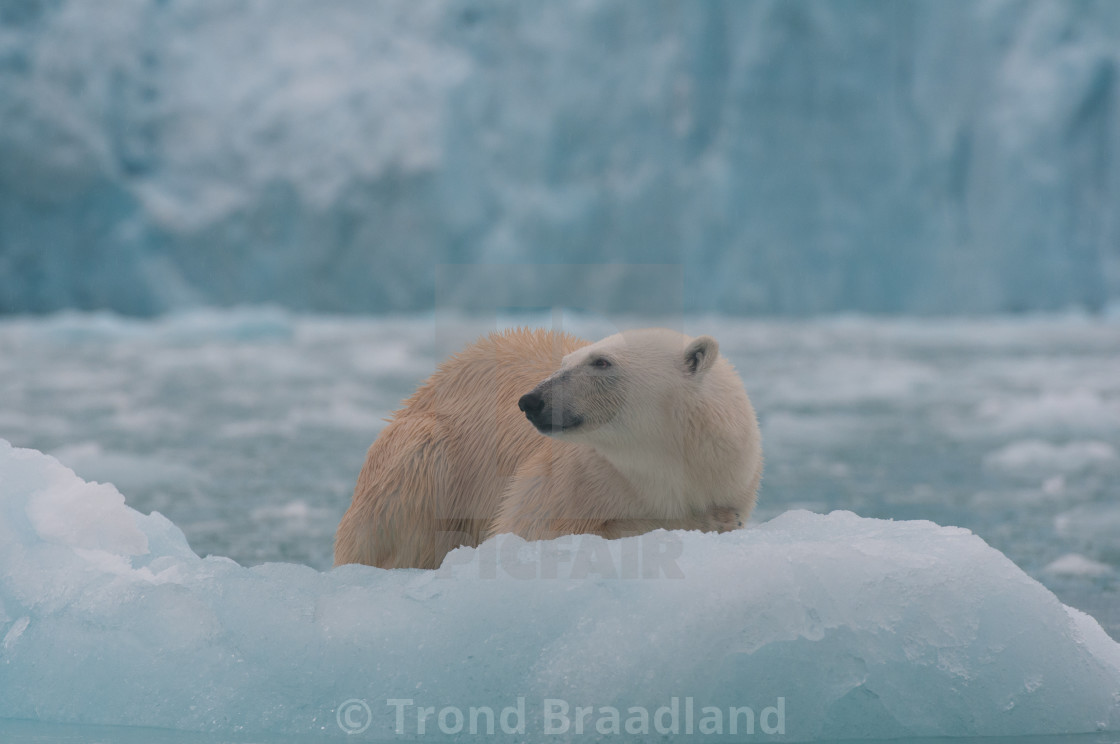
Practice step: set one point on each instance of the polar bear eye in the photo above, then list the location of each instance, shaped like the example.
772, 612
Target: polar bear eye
601, 362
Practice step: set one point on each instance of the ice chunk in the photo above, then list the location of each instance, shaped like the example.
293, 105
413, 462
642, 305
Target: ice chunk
1034, 455
64, 510
1073, 564
834, 626
1065, 410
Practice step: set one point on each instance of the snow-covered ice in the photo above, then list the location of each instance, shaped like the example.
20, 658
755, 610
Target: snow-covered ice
851, 627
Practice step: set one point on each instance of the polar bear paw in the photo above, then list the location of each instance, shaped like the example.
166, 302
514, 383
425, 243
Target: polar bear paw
723, 519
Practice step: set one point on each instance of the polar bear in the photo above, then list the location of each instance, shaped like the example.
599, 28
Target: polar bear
541, 434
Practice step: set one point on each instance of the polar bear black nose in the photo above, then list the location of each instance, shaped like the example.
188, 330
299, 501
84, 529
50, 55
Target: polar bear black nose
531, 404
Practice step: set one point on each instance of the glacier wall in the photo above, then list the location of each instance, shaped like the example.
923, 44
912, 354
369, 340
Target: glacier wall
921, 156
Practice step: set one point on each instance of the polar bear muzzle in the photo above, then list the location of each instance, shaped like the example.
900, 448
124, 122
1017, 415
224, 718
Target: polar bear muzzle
577, 399
542, 414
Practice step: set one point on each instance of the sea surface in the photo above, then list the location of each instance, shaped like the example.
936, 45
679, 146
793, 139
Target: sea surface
247, 427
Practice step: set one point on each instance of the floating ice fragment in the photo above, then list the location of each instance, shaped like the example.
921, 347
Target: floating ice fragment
860, 627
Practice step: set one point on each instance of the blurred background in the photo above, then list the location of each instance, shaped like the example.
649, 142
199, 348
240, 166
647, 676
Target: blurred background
793, 158
900, 218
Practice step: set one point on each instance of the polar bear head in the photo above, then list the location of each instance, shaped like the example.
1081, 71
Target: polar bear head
633, 387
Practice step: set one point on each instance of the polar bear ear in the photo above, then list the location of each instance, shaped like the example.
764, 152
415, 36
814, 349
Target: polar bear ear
701, 354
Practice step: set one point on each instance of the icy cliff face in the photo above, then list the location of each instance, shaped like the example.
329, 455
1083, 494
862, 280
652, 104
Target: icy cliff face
805, 157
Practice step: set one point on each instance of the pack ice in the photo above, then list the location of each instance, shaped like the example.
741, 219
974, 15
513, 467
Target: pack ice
847, 627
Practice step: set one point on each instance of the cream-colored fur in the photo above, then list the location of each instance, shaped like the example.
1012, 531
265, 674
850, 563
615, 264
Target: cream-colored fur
669, 439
